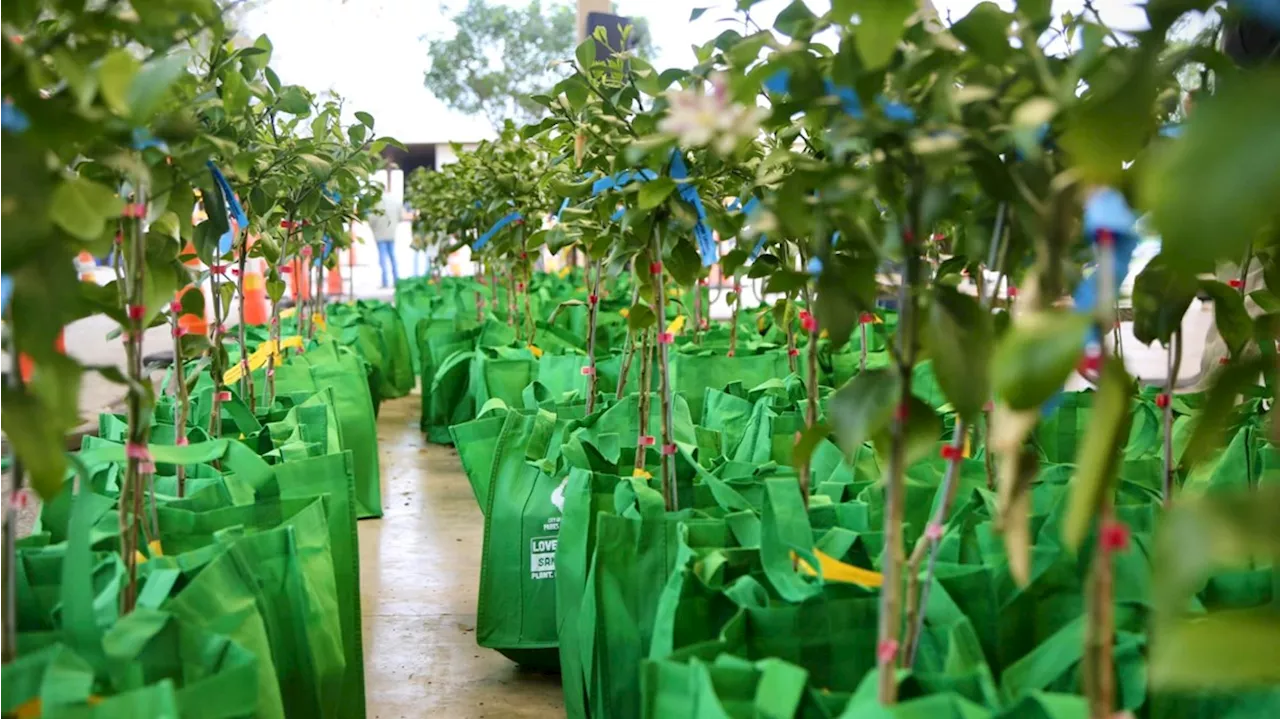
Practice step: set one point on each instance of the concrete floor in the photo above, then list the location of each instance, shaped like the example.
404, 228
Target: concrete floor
419, 570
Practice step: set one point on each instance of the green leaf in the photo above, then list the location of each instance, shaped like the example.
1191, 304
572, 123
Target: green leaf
1229, 315
192, 302
1227, 383
193, 346
1114, 122
640, 317
27, 183
1266, 301
1161, 297
1203, 189
810, 438
921, 432
1035, 358
293, 100
235, 92
586, 54
1039, 12
881, 27
863, 407
115, 75
152, 83
36, 440
985, 31
786, 281
1224, 651
365, 118
697, 13
653, 192
733, 261
795, 19
319, 166
82, 207
275, 288
959, 337
1099, 455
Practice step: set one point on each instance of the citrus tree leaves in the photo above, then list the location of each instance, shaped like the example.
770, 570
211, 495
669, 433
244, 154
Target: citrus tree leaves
959, 337
653, 192
82, 207
985, 31
863, 407
1203, 190
881, 27
1161, 297
115, 75
1099, 455
1035, 358
1229, 315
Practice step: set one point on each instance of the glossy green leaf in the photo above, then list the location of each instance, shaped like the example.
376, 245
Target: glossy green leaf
1229, 315
586, 53
293, 100
365, 119
863, 407
810, 438
653, 192
985, 31
82, 207
921, 432
882, 25
36, 440
1099, 455
1034, 359
1203, 189
959, 337
151, 85
1161, 297
1226, 384
115, 75
641, 317
1222, 651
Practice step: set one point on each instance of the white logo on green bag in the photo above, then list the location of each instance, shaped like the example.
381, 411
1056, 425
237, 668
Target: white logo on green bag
542, 556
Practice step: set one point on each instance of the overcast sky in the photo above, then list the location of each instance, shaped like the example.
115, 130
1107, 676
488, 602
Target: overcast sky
372, 52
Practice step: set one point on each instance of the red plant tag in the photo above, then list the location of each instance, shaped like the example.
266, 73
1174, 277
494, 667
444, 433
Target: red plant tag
668, 450
588, 371
646, 441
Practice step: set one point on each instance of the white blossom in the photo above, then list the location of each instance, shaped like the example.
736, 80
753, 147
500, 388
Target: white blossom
700, 119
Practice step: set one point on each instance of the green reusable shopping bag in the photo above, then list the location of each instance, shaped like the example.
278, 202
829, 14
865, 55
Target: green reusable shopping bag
476, 443
450, 400
516, 611
501, 372
149, 663
693, 372
1059, 434
398, 365
341, 371
282, 548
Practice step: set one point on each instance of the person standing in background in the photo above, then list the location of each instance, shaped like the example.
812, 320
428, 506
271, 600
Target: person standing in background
384, 221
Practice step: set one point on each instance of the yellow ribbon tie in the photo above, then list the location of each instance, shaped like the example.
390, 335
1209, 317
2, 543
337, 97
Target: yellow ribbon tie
834, 570
641, 474
537, 351
677, 324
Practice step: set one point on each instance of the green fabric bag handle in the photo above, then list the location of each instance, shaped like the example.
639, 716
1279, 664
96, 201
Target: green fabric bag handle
235, 457
634, 494
780, 689
785, 529
241, 415
544, 428
78, 621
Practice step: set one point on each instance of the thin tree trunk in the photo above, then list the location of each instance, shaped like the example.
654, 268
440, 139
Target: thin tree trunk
593, 302
1175, 364
669, 490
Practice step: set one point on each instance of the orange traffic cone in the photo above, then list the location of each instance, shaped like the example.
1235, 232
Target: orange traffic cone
255, 294
193, 324
27, 366
333, 281
300, 282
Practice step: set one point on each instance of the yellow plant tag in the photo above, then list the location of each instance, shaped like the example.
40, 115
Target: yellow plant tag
564, 272
677, 324
967, 448
641, 474
537, 351
834, 570
318, 320
760, 323
824, 335
625, 312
